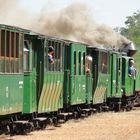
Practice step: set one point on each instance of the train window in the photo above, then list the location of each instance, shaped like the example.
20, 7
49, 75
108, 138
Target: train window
54, 55
84, 63
103, 62
118, 67
50, 55
26, 56
79, 63
117, 73
21, 52
2, 42
12, 44
12, 51
2, 50
17, 53
7, 43
9, 52
74, 62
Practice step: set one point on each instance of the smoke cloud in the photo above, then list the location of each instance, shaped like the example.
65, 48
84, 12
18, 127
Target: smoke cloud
74, 22
12, 13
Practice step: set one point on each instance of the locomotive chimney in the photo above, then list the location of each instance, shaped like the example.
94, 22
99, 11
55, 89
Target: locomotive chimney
129, 48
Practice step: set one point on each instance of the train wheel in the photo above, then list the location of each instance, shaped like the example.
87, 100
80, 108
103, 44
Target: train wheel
130, 106
117, 107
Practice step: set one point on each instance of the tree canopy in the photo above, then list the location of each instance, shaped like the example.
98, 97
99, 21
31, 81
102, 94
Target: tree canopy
132, 32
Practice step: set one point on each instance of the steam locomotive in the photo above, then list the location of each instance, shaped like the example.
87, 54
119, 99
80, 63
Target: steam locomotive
33, 90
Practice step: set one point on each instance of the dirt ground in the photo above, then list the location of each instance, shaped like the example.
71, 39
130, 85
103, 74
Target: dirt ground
102, 126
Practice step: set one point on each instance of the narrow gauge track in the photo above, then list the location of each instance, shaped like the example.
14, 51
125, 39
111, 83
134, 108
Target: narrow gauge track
24, 127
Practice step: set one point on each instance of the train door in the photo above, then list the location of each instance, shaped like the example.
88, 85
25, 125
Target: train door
115, 75
77, 74
30, 76
100, 75
128, 82
51, 71
89, 75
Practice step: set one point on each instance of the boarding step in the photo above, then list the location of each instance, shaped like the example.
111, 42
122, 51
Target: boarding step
94, 110
85, 112
88, 111
40, 122
64, 116
20, 127
105, 108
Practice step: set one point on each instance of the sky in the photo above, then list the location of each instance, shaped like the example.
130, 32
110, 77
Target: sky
110, 12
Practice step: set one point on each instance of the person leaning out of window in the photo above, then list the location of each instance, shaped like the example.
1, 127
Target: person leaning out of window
131, 69
51, 55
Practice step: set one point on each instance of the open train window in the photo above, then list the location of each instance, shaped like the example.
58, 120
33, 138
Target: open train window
17, 53
84, 70
104, 62
54, 54
20, 53
79, 63
2, 51
26, 56
10, 51
118, 67
75, 63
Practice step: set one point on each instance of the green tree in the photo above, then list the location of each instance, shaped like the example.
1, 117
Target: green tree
132, 32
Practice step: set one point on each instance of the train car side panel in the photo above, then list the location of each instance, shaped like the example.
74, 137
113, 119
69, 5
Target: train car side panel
101, 77
11, 94
51, 77
116, 75
11, 70
127, 82
77, 74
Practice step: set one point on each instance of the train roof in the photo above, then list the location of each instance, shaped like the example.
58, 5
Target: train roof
100, 47
39, 35
127, 57
14, 28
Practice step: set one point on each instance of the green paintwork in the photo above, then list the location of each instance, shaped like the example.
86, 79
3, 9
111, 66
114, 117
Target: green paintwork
11, 93
11, 70
89, 78
78, 90
66, 95
137, 86
51, 98
30, 76
29, 97
115, 71
127, 82
100, 91
77, 81
100, 79
89, 88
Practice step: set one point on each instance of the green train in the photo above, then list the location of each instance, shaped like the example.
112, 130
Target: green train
76, 79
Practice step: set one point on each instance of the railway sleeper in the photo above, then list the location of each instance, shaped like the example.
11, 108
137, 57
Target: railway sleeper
22, 127
87, 111
64, 116
83, 113
105, 108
